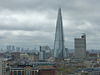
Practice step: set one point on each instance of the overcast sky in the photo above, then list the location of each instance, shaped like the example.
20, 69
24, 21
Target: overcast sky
31, 23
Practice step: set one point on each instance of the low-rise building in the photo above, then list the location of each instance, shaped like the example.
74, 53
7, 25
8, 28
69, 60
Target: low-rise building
32, 70
87, 71
28, 70
26, 57
15, 56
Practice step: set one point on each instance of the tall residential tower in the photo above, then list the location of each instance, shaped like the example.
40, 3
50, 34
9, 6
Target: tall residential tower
59, 49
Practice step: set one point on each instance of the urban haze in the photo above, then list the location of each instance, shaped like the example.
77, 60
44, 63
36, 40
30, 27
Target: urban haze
31, 23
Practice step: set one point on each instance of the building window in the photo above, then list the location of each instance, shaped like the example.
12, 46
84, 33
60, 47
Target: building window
19, 72
36, 73
32, 72
11, 73
28, 71
15, 72
22, 72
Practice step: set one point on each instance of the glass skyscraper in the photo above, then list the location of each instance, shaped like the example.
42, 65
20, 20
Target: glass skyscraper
59, 49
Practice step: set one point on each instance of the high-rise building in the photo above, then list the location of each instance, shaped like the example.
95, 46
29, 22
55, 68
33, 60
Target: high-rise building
59, 49
9, 48
47, 51
41, 55
13, 48
80, 47
18, 49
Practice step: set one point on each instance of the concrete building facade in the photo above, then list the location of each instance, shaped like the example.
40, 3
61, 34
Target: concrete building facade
80, 47
41, 56
2, 66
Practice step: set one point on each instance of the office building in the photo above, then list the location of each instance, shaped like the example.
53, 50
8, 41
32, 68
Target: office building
47, 51
42, 54
18, 49
80, 47
59, 49
13, 48
9, 48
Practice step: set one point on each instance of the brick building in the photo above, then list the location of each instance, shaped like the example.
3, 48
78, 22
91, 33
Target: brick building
30, 70
47, 72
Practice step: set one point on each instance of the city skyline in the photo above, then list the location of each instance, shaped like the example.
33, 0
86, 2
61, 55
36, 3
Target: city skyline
32, 24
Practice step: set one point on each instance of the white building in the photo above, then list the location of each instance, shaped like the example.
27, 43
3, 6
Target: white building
45, 48
42, 56
46, 52
80, 47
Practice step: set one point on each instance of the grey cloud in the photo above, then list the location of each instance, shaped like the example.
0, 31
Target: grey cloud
34, 40
77, 15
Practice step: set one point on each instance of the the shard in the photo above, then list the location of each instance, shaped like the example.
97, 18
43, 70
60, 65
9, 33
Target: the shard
59, 49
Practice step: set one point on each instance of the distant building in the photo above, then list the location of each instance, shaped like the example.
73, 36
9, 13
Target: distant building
18, 49
13, 48
46, 50
27, 58
9, 48
47, 72
80, 47
59, 49
87, 71
42, 63
42, 54
92, 56
51, 59
24, 56
22, 49
15, 56
66, 50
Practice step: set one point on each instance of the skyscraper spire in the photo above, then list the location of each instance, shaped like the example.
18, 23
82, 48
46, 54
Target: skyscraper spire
59, 49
